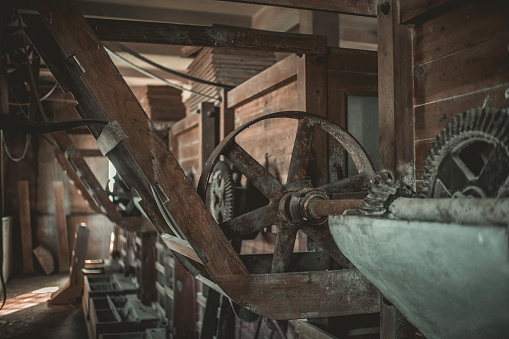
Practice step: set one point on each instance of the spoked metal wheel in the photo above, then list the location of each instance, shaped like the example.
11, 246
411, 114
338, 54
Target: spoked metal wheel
290, 204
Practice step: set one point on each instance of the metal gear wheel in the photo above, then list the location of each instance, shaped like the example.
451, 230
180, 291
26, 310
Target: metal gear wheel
470, 158
383, 192
220, 194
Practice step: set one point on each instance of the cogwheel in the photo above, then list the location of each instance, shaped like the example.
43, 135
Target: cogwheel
383, 192
470, 157
220, 193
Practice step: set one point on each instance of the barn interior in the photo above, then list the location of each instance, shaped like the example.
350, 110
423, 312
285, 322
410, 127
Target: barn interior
254, 169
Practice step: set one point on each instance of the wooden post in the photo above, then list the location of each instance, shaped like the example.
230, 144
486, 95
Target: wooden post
70, 293
147, 280
393, 325
226, 117
396, 124
61, 223
312, 89
321, 23
395, 93
25, 226
183, 289
209, 133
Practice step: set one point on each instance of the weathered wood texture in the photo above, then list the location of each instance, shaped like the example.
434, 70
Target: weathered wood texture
161, 103
185, 145
184, 294
25, 226
45, 259
295, 83
396, 117
273, 90
419, 10
70, 293
327, 293
460, 63
146, 269
153, 168
225, 66
349, 72
207, 36
61, 226
354, 7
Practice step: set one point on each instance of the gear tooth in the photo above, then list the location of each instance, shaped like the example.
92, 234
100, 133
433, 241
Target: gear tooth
494, 123
442, 138
470, 119
478, 118
486, 117
454, 125
504, 126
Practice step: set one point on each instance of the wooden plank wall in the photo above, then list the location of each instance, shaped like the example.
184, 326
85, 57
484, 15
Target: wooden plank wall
185, 144
460, 62
273, 90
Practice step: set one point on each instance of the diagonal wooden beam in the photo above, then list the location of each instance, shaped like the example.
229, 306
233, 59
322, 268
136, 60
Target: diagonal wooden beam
78, 60
353, 7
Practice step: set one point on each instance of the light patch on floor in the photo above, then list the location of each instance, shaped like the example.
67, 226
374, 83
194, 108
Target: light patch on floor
27, 300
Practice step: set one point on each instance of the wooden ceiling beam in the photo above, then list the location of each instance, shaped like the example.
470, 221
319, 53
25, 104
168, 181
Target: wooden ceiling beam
353, 7
207, 36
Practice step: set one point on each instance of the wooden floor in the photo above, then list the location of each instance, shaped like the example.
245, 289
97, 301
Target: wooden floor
26, 313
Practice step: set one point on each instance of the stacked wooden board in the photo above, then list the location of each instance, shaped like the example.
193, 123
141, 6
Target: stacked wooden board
161, 103
225, 66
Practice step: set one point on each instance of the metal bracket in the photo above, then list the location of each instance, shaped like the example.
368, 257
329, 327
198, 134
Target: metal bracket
110, 137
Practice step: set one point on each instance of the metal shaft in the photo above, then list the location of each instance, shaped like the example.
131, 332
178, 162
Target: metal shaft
329, 207
485, 211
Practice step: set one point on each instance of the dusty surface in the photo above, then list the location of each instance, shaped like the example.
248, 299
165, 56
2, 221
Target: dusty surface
27, 314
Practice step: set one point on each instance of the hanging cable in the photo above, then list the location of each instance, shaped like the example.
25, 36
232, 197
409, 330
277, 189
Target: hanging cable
28, 137
47, 95
171, 71
153, 76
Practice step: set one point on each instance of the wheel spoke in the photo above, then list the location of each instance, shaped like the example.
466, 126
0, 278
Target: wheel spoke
496, 170
255, 172
251, 222
323, 238
455, 174
301, 153
351, 184
283, 250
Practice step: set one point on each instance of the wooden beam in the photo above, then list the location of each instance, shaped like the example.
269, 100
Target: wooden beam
395, 94
312, 89
354, 7
206, 36
264, 82
25, 226
61, 224
82, 66
304, 294
209, 130
412, 11
321, 23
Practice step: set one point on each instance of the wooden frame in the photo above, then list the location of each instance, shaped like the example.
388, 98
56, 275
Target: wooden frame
88, 73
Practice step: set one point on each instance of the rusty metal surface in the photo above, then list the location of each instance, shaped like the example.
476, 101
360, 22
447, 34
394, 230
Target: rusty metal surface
331, 207
470, 157
290, 206
463, 211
